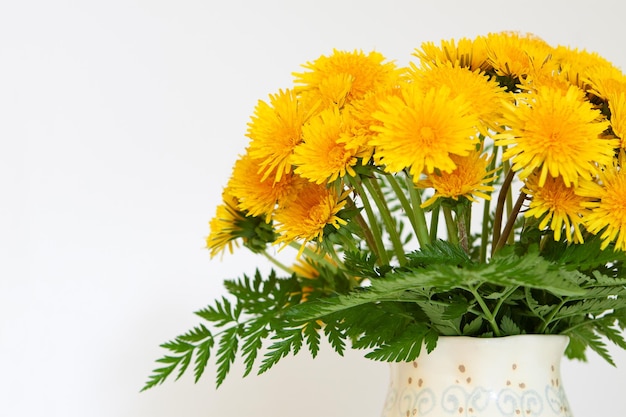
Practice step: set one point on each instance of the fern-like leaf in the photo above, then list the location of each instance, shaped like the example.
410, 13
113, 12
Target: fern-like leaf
288, 341
405, 348
226, 353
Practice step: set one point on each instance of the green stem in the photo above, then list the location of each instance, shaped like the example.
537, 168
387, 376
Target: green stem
317, 256
484, 237
542, 329
509, 198
434, 222
463, 215
488, 314
420, 217
499, 214
390, 225
367, 232
507, 232
277, 263
406, 205
379, 247
503, 298
453, 232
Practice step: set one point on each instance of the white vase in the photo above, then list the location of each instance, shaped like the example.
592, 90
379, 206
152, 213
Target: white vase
482, 377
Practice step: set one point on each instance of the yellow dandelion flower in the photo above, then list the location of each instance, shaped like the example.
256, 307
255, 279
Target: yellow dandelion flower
345, 76
470, 179
464, 52
557, 205
258, 196
224, 226
360, 114
605, 81
305, 217
558, 133
515, 55
275, 130
422, 130
321, 158
617, 107
583, 68
608, 204
484, 94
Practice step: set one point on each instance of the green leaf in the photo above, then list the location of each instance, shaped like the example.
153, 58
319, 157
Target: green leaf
509, 327
226, 353
405, 348
312, 336
203, 353
221, 314
288, 341
473, 327
439, 252
438, 318
576, 347
530, 270
253, 342
607, 327
335, 336
582, 337
195, 335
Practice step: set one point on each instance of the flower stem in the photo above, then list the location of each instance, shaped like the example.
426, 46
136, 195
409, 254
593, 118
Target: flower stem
497, 220
376, 193
367, 232
486, 213
434, 222
550, 317
376, 233
488, 314
453, 231
277, 263
404, 202
423, 236
511, 221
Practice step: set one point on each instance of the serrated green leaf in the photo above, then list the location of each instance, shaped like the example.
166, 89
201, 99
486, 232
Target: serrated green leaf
439, 252
530, 271
576, 347
457, 308
253, 342
226, 352
436, 313
335, 336
312, 336
430, 340
288, 341
203, 353
405, 348
195, 335
509, 327
184, 363
607, 327
473, 327
177, 346
220, 314
587, 337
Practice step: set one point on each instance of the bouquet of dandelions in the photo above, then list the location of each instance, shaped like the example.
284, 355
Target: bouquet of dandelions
479, 191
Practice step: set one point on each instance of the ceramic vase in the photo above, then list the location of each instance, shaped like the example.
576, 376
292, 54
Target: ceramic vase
482, 377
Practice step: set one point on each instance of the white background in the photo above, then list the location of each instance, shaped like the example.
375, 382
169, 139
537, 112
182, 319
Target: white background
119, 123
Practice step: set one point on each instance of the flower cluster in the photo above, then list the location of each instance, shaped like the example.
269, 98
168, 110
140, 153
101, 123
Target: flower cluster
466, 120
479, 191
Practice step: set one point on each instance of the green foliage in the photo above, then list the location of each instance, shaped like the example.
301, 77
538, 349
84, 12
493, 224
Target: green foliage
400, 310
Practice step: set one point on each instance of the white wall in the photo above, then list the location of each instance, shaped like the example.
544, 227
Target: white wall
119, 121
